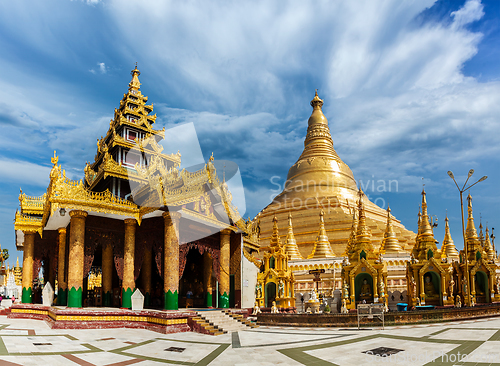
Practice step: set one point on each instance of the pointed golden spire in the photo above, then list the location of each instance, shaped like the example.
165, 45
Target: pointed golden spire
319, 161
419, 221
134, 84
352, 238
481, 235
291, 248
470, 231
275, 238
448, 248
487, 245
425, 226
322, 247
17, 262
362, 233
390, 243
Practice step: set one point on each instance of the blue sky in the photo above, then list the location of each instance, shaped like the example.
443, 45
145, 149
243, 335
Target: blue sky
411, 90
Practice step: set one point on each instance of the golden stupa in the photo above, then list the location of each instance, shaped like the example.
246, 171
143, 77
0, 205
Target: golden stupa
320, 180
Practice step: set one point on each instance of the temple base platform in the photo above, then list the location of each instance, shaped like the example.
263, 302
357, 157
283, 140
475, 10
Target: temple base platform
59, 317
441, 314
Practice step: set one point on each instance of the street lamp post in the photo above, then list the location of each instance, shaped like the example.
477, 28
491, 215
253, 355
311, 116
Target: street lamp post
467, 300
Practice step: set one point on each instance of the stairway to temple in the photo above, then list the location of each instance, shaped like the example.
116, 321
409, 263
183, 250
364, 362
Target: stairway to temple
222, 321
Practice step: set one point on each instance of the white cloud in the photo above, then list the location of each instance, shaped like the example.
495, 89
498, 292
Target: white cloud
470, 12
102, 67
23, 172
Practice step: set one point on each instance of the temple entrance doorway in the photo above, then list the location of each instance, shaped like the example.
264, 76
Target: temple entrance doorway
432, 288
363, 284
191, 291
481, 287
92, 282
270, 294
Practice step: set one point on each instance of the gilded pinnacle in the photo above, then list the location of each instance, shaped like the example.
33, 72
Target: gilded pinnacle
322, 247
291, 248
275, 239
448, 248
390, 243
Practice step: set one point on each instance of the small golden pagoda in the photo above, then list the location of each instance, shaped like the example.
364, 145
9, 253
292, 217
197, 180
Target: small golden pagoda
390, 243
482, 269
275, 281
429, 273
448, 248
364, 274
291, 248
322, 248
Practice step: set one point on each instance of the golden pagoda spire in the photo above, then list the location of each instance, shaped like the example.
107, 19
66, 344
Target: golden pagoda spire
487, 245
352, 237
419, 221
425, 226
318, 162
425, 240
275, 239
471, 238
390, 243
363, 234
470, 231
448, 248
134, 84
481, 235
291, 248
322, 247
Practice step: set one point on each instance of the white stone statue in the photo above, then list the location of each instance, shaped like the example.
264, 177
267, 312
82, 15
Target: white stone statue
256, 309
344, 310
274, 308
313, 296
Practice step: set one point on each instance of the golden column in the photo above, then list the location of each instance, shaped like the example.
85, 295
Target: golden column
224, 258
75, 261
107, 274
171, 260
62, 293
146, 276
28, 249
207, 278
128, 284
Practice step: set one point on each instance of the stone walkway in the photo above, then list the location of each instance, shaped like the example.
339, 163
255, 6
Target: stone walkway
32, 342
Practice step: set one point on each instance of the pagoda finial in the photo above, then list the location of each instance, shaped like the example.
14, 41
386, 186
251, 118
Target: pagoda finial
291, 248
135, 84
448, 247
55, 159
317, 102
390, 243
275, 238
425, 226
352, 237
322, 247
487, 245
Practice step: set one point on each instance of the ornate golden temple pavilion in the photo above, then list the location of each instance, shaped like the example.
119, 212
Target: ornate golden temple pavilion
137, 218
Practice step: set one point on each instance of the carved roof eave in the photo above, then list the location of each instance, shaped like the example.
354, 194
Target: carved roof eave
210, 220
65, 193
31, 205
257, 263
154, 150
28, 223
482, 261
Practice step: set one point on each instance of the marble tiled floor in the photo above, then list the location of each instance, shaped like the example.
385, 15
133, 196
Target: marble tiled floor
32, 342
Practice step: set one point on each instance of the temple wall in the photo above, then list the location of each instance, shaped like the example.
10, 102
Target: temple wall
249, 281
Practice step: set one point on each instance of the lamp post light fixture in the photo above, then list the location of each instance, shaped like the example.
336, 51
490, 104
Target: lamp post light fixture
467, 280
